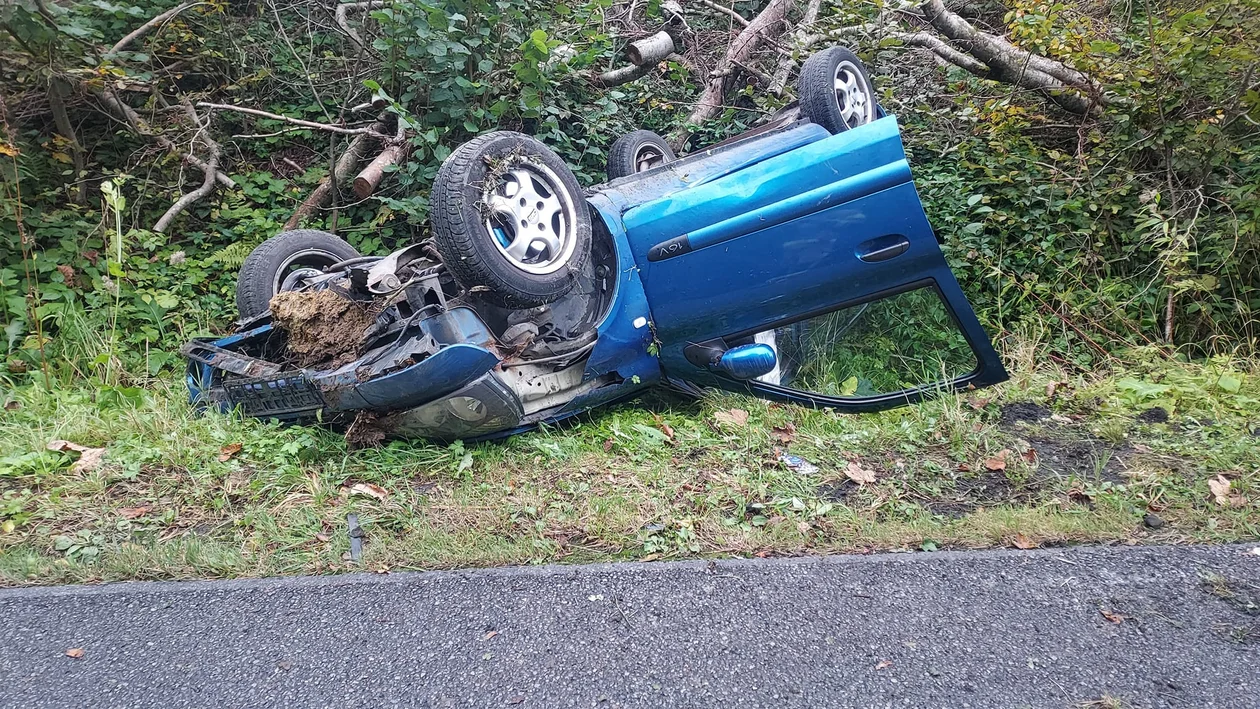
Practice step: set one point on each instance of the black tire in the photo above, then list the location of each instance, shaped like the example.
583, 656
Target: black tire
468, 199
266, 266
637, 151
820, 101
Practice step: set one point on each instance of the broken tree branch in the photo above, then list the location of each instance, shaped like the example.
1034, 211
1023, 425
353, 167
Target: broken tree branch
621, 75
144, 29
650, 50
712, 100
345, 166
799, 37
1071, 89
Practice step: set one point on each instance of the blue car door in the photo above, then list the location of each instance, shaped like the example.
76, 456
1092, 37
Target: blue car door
812, 276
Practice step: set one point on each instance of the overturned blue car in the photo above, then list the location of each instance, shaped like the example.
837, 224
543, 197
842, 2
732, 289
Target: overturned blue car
792, 263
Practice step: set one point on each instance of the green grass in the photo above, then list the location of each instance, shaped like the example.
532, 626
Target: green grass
659, 478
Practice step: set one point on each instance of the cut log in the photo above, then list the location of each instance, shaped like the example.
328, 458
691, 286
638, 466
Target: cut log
346, 166
650, 50
368, 180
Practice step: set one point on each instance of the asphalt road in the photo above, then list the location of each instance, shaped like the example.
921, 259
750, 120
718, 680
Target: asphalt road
986, 629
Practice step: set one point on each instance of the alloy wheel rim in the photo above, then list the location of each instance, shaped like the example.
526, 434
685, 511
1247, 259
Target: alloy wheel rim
531, 218
856, 106
647, 157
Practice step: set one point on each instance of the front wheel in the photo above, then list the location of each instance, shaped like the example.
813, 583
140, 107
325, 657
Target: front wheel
835, 91
271, 262
510, 220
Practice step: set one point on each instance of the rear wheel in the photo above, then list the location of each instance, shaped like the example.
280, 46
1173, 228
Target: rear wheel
637, 151
835, 91
510, 220
274, 260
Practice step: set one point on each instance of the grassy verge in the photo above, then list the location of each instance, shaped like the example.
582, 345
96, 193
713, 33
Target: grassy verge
1141, 453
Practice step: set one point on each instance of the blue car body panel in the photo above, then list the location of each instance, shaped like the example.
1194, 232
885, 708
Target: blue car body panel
715, 247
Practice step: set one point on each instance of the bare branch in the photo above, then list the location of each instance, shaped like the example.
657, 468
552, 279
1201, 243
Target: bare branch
622, 75
137, 124
144, 29
726, 11
294, 121
344, 23
211, 172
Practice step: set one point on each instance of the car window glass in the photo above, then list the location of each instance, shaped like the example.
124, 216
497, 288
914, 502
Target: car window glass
901, 342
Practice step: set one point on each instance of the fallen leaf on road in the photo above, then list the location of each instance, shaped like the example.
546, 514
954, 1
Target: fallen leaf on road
229, 452
858, 474
369, 490
884, 664
1022, 542
134, 512
997, 462
1114, 617
490, 634
732, 417
75, 652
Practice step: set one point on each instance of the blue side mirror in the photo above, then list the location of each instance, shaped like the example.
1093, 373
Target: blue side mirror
746, 361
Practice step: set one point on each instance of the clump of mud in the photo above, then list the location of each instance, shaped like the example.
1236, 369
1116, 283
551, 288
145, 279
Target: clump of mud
323, 327
370, 429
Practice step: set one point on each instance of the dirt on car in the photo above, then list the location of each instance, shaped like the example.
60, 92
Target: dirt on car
323, 327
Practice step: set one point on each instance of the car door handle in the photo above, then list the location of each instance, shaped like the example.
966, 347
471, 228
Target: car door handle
882, 248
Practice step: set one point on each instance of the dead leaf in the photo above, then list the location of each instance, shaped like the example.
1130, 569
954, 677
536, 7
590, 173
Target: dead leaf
490, 634
785, 434
67, 273
369, 490
75, 652
1060, 418
858, 474
134, 512
667, 430
89, 458
66, 447
321, 537
1219, 486
1113, 616
803, 527
978, 403
997, 462
964, 468
732, 417
883, 664
229, 451
1022, 542
1050, 389
1030, 455
12, 405
608, 444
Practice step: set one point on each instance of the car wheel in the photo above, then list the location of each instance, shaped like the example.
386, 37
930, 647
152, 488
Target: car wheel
270, 263
637, 151
510, 220
835, 91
